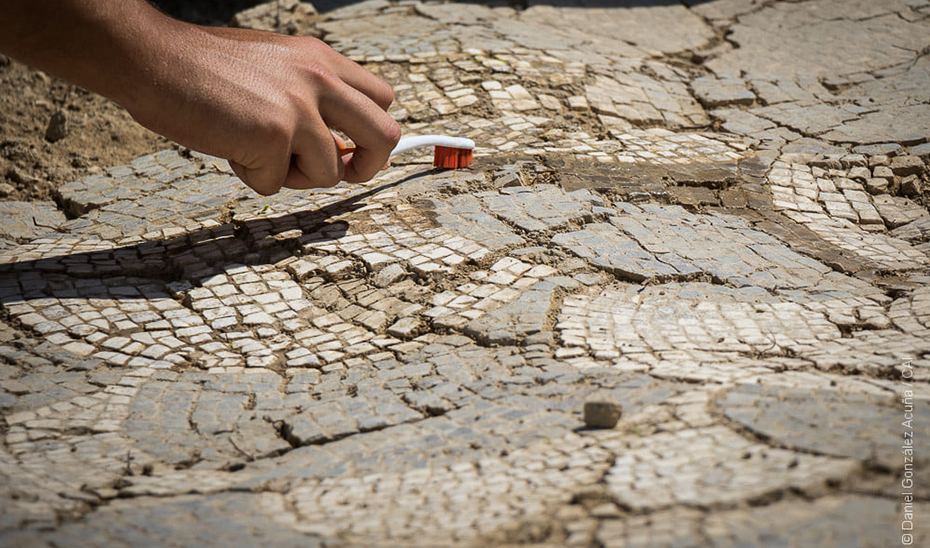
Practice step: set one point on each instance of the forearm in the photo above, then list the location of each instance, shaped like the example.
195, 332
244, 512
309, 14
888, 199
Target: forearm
108, 46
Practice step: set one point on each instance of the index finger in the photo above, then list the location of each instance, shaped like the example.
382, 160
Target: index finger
372, 130
361, 79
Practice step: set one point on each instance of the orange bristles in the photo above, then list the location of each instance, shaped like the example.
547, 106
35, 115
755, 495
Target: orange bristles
452, 158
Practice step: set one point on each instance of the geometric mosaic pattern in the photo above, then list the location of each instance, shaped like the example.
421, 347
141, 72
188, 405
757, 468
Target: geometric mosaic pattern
726, 239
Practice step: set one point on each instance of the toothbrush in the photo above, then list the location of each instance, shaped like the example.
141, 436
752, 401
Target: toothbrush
449, 152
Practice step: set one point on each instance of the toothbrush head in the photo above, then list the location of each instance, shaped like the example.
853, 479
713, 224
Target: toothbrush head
452, 158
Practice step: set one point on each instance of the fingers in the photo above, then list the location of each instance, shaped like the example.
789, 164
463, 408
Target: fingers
315, 161
356, 76
372, 130
266, 180
312, 160
293, 146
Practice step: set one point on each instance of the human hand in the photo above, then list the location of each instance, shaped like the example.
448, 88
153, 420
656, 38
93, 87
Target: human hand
266, 102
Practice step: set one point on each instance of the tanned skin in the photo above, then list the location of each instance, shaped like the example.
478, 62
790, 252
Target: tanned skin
264, 101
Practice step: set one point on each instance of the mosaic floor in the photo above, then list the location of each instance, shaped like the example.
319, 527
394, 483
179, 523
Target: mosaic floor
710, 214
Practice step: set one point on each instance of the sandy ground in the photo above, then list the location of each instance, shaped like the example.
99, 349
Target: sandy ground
99, 133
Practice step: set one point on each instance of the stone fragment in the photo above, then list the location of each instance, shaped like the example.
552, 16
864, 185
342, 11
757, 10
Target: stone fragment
922, 151
717, 92
854, 160
860, 173
897, 211
692, 195
388, 275
912, 186
20, 176
917, 231
549, 102
57, 127
405, 328
903, 166
602, 412
884, 172
578, 102
876, 160
876, 185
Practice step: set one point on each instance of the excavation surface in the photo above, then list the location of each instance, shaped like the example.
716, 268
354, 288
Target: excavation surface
710, 214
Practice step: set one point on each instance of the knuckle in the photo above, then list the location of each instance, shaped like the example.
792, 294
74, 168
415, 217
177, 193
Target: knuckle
322, 78
392, 133
383, 94
273, 135
315, 46
280, 129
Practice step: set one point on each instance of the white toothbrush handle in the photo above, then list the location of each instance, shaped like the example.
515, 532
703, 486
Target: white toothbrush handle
407, 143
